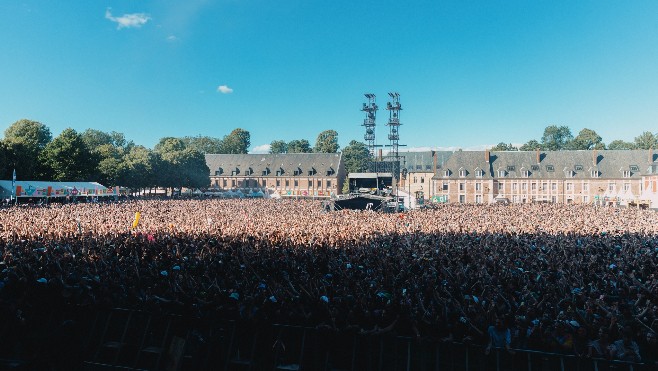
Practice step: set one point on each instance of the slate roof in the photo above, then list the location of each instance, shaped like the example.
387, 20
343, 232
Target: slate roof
425, 160
609, 164
256, 164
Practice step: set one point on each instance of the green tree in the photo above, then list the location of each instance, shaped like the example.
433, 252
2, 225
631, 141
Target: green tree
531, 145
502, 146
646, 140
299, 146
237, 142
67, 158
620, 144
327, 142
141, 165
278, 146
356, 157
5, 168
586, 139
180, 166
107, 150
25, 140
555, 138
203, 144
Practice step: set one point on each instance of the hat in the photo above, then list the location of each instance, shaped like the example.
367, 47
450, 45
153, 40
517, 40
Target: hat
324, 299
234, 296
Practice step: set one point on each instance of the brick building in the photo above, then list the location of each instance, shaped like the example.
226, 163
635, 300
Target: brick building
313, 175
594, 177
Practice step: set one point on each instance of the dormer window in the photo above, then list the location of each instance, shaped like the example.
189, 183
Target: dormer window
626, 173
511, 168
479, 173
280, 172
311, 172
446, 173
462, 173
550, 168
578, 168
534, 167
568, 173
501, 173
594, 173
330, 171
634, 168
525, 173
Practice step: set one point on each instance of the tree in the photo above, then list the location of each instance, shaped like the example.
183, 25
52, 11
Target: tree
108, 150
278, 146
620, 144
502, 146
532, 145
356, 157
327, 142
556, 138
586, 139
5, 169
180, 166
67, 158
203, 144
299, 146
25, 140
141, 164
646, 140
237, 142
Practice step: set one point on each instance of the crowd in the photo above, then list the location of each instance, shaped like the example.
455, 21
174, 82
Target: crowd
561, 278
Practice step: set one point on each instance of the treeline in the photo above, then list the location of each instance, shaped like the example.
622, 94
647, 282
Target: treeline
109, 158
558, 138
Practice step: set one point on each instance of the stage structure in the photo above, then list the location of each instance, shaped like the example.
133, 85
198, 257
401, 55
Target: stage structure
370, 110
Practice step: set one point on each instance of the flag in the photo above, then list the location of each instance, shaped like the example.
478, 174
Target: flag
136, 221
13, 183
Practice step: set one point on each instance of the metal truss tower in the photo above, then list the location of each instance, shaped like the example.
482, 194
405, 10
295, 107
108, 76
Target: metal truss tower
370, 109
393, 107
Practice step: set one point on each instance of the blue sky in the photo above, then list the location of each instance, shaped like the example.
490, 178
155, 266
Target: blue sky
469, 73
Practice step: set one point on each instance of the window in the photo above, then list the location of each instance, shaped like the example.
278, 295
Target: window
569, 174
515, 199
287, 183
478, 186
501, 186
462, 173
526, 173
479, 173
445, 186
553, 199
319, 184
501, 173
428, 167
569, 186
533, 186
462, 187
328, 183
515, 187
611, 186
634, 168
478, 199
422, 179
232, 182
534, 167
594, 173
553, 186
578, 168
511, 168
462, 199
524, 186
415, 180
419, 167
224, 183
264, 183
446, 173
585, 199
310, 184
627, 186
544, 186
278, 183
585, 187
550, 168
626, 173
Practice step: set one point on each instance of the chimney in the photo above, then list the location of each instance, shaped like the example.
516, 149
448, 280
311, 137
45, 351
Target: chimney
434, 160
380, 154
538, 156
595, 158
486, 156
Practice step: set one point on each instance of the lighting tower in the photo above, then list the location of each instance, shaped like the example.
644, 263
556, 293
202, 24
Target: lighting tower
370, 109
394, 108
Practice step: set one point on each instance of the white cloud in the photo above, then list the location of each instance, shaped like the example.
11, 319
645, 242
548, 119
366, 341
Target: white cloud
224, 89
263, 148
134, 20
172, 38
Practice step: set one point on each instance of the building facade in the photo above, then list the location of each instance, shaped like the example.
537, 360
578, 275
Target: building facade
418, 169
308, 175
607, 177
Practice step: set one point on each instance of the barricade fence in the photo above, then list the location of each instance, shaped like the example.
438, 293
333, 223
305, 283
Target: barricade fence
136, 340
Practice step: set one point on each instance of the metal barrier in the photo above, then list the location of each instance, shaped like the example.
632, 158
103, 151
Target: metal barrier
231, 345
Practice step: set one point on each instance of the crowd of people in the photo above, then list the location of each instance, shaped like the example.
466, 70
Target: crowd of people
575, 279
